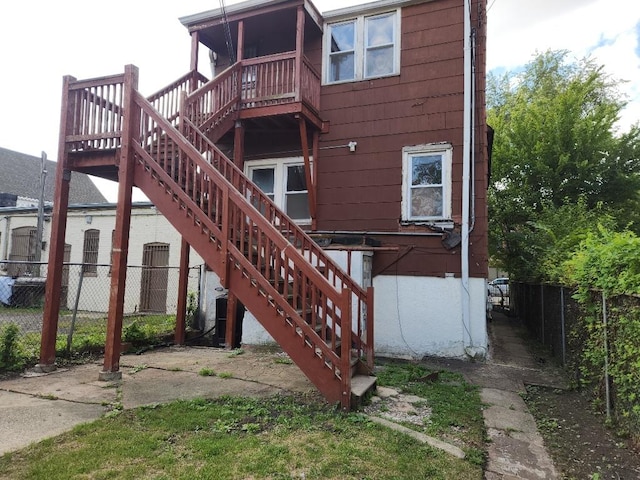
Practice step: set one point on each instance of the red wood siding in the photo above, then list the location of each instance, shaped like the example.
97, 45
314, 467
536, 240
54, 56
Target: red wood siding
362, 191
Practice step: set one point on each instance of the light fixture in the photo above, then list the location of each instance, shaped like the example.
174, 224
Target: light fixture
352, 146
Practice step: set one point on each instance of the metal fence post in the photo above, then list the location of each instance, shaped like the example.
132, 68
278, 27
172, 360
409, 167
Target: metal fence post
606, 356
562, 328
75, 310
542, 312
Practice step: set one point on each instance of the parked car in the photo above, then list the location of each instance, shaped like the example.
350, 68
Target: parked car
499, 292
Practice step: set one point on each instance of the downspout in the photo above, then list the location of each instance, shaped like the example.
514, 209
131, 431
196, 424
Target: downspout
466, 169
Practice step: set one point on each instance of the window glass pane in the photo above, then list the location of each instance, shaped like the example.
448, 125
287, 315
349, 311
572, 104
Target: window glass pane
297, 205
342, 67
426, 202
379, 61
342, 37
264, 179
380, 30
295, 178
426, 170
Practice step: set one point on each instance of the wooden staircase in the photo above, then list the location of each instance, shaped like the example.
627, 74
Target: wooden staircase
312, 308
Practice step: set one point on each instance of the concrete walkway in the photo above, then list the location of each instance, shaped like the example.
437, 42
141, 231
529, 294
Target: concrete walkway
35, 407
516, 449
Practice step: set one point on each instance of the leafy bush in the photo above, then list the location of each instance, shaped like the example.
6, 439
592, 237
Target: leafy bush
609, 262
12, 357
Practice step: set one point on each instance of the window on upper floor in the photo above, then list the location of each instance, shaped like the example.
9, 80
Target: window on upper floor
426, 192
364, 47
284, 182
90, 252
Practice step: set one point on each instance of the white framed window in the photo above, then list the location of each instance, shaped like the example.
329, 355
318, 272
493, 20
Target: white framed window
360, 48
426, 185
284, 182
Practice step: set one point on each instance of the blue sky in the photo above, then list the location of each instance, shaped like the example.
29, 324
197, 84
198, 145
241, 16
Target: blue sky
44, 40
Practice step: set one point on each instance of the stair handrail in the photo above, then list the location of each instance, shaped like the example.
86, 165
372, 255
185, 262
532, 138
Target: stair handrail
288, 228
202, 104
249, 210
167, 99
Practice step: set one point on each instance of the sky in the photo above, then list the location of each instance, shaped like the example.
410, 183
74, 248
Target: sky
43, 40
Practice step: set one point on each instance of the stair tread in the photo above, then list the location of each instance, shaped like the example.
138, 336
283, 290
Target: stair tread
361, 384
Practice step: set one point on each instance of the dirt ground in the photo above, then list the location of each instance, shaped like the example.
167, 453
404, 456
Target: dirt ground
581, 445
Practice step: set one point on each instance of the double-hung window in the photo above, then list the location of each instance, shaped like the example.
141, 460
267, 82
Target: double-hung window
364, 47
426, 183
284, 182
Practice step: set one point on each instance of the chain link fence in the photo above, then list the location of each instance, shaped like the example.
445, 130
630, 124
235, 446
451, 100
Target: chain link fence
150, 305
597, 341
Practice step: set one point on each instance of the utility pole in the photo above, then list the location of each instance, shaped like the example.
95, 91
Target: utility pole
37, 255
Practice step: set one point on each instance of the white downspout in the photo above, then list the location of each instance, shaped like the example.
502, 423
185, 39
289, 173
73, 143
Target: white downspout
466, 169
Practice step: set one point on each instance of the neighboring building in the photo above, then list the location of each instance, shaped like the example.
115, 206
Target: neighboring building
154, 244
20, 182
363, 127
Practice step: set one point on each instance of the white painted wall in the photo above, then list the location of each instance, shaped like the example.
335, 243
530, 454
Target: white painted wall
414, 316
418, 316
147, 226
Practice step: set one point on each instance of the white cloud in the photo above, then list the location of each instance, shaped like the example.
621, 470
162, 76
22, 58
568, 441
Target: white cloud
603, 29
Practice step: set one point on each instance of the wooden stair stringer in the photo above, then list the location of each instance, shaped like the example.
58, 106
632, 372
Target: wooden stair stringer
176, 211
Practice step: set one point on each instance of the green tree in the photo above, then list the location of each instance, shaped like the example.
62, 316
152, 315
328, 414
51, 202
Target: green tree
556, 148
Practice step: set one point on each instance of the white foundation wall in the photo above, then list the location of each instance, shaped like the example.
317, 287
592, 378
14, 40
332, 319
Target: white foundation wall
422, 316
351, 262
414, 316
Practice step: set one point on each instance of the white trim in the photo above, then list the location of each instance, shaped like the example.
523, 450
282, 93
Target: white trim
368, 8
279, 186
360, 49
446, 150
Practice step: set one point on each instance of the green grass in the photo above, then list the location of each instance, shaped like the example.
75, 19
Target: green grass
89, 337
281, 437
456, 405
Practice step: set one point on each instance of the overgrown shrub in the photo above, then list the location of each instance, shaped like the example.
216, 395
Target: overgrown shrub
609, 262
12, 357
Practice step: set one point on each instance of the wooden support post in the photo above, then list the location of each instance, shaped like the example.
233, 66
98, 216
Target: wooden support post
240, 49
53, 286
345, 349
230, 333
183, 280
314, 177
299, 51
195, 44
311, 195
238, 145
131, 124
369, 326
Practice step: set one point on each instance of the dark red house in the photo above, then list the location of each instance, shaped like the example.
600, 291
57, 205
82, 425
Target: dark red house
330, 154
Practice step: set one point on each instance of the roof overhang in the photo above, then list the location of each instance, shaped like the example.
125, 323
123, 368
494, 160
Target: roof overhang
369, 7
249, 8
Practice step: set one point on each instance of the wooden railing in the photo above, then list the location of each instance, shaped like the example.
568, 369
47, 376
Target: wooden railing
247, 229
310, 85
213, 101
269, 80
95, 113
167, 101
256, 82
362, 301
311, 294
